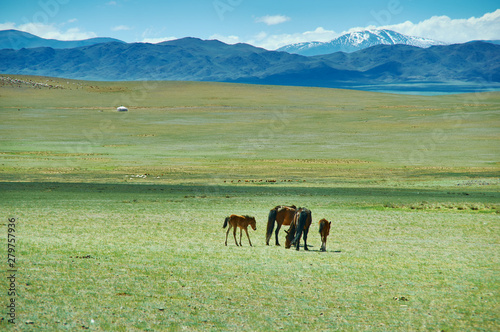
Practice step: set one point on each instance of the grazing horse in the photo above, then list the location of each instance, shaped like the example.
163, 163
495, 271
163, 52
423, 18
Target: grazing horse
242, 222
281, 214
324, 231
300, 224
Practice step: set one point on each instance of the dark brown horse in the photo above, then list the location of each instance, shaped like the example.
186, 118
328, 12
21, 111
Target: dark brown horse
281, 214
324, 231
300, 225
242, 222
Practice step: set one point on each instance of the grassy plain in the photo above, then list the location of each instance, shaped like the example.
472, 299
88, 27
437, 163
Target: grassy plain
119, 215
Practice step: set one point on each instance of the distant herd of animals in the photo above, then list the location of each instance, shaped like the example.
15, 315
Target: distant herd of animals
299, 220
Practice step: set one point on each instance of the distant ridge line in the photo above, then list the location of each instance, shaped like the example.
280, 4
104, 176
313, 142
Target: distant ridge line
192, 59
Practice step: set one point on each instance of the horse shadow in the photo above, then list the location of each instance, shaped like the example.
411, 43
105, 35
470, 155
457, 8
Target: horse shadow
319, 250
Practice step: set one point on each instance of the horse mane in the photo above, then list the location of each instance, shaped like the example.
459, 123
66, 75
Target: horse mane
248, 217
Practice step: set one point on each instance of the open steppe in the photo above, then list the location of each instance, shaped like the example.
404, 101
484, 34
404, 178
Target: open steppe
119, 214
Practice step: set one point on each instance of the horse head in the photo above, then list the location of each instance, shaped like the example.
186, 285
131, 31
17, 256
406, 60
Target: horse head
290, 234
253, 223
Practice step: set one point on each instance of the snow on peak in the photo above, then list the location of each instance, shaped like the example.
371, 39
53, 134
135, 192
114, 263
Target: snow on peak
358, 40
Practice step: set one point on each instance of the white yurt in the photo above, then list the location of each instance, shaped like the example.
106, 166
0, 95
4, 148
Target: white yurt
122, 109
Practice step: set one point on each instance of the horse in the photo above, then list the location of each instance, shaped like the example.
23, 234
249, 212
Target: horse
324, 231
242, 222
300, 224
281, 214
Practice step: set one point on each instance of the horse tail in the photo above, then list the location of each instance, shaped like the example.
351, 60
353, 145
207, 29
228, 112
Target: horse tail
270, 223
226, 221
300, 225
321, 226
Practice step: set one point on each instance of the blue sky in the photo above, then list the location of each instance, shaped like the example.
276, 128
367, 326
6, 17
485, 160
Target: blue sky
264, 23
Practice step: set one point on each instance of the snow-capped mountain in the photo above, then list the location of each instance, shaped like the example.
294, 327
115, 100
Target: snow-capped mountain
358, 40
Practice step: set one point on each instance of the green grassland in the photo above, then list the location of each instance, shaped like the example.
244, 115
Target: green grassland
119, 215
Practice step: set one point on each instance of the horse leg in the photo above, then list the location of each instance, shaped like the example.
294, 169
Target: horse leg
306, 231
228, 229
248, 236
234, 234
241, 232
298, 241
277, 232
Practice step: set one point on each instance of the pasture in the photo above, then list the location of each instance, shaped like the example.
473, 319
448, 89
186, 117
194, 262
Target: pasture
119, 215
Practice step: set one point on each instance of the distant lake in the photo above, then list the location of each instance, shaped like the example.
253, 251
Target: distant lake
429, 89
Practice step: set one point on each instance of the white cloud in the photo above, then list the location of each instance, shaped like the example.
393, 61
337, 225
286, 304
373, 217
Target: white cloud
7, 26
49, 31
157, 40
154, 36
449, 30
226, 39
121, 28
320, 34
272, 20
272, 42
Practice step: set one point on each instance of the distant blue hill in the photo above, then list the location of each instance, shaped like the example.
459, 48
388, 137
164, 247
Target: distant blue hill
14, 39
192, 59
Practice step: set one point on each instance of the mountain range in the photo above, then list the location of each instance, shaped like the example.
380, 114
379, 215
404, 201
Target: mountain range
17, 40
358, 40
192, 59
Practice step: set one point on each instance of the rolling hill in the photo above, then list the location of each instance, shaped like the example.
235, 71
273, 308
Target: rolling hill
14, 39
